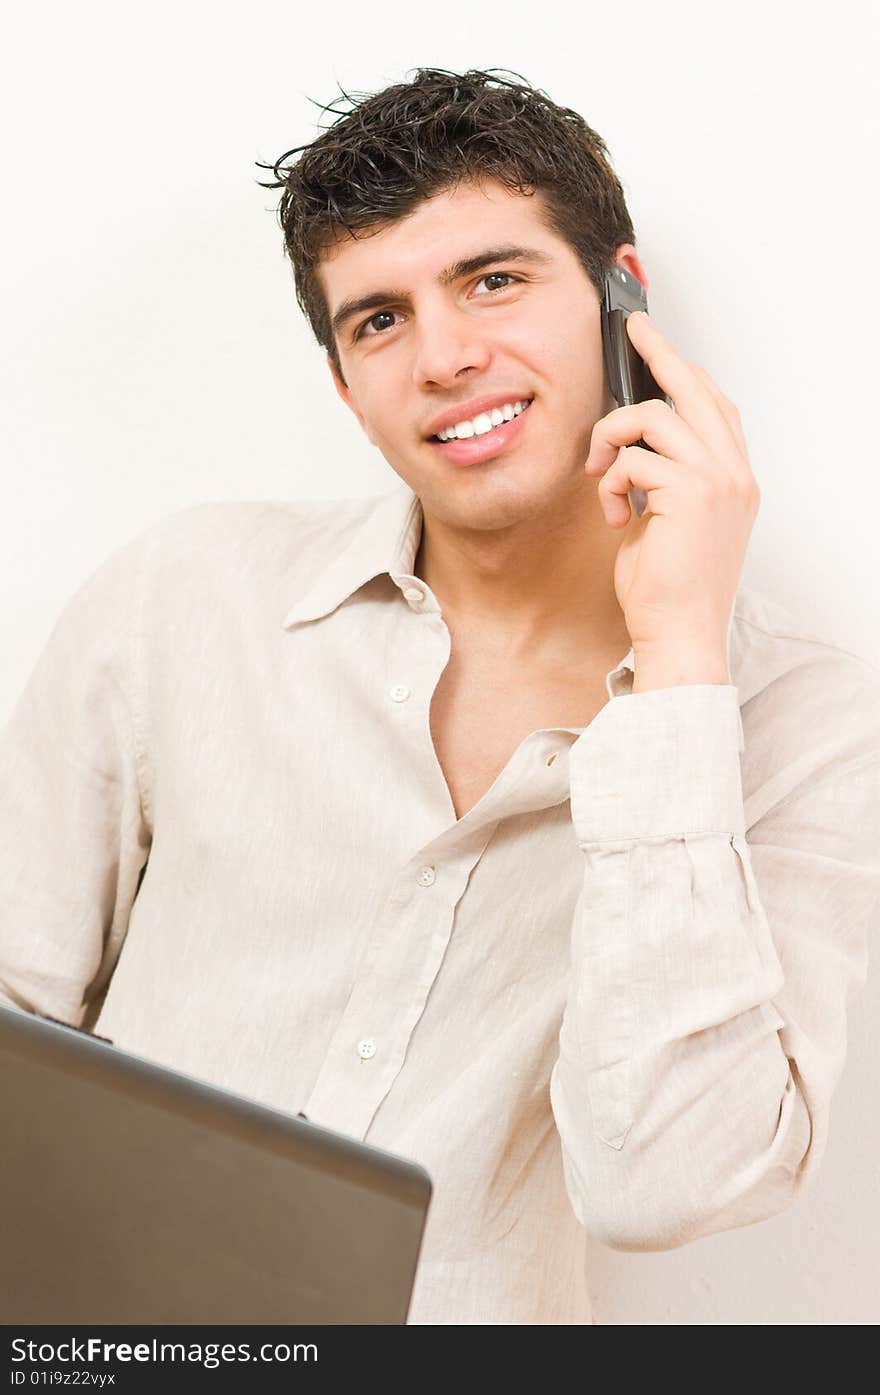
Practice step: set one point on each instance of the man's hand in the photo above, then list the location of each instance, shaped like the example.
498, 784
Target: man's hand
678, 566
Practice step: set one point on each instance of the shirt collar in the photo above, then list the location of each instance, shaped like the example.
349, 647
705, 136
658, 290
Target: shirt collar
386, 543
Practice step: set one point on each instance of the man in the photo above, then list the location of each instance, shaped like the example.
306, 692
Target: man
484, 821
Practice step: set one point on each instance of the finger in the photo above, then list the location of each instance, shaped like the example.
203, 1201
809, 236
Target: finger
731, 415
727, 408
658, 476
652, 421
694, 403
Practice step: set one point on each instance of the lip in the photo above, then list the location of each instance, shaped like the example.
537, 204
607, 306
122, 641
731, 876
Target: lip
466, 411
485, 447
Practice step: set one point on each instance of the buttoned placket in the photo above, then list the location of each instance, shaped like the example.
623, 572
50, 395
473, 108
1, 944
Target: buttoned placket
410, 936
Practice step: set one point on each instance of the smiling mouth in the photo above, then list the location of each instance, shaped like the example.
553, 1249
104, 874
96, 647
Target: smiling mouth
495, 427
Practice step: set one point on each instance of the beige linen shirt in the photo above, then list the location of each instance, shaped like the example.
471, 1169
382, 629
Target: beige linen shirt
609, 1000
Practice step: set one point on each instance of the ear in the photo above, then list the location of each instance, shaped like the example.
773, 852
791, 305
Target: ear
626, 256
346, 395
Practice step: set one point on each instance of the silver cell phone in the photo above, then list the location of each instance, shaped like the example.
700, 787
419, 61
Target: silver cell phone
629, 377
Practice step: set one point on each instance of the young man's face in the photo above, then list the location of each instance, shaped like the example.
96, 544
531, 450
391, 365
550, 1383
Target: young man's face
509, 330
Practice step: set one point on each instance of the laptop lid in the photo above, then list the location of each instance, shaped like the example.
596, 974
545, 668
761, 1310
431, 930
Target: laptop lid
130, 1193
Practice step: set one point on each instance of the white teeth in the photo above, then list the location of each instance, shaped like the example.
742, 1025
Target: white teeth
484, 422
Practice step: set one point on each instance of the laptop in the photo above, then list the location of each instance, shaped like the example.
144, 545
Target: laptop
134, 1194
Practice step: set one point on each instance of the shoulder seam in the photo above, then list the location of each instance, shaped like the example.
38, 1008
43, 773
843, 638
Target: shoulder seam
809, 639
823, 777
137, 646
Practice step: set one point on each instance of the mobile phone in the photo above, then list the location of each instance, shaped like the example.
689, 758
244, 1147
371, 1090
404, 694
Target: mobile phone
629, 377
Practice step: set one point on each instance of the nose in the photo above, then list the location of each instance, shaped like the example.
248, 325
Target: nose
448, 345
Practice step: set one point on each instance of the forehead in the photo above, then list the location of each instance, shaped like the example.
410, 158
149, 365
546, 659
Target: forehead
441, 228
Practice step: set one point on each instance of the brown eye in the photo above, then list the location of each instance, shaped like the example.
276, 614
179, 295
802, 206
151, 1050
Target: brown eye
496, 276
378, 316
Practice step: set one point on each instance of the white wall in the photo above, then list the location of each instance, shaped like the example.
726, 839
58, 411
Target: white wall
154, 356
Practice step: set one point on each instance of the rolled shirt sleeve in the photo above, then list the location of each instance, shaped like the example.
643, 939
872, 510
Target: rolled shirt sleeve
705, 1024
74, 832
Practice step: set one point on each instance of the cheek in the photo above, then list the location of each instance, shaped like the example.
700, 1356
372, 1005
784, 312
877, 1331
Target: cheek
391, 433
554, 356
579, 364
533, 347
380, 422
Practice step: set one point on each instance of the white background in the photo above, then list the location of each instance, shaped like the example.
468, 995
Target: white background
154, 356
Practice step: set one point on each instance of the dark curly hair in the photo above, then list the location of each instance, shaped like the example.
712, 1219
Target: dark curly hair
394, 148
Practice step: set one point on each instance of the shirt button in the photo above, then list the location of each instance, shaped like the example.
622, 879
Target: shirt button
413, 595
366, 1048
400, 692
426, 876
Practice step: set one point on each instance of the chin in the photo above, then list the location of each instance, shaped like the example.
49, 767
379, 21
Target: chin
489, 499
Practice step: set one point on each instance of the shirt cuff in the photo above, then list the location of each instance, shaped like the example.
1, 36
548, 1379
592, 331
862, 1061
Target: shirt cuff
659, 764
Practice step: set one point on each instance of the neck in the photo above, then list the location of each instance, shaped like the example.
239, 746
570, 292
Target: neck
539, 589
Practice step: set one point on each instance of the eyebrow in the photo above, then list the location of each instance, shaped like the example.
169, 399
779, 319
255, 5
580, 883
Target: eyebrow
466, 266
